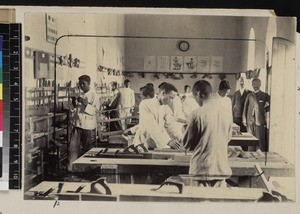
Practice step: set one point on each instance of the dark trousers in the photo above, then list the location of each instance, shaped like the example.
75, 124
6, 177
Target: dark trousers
239, 121
81, 141
259, 132
115, 125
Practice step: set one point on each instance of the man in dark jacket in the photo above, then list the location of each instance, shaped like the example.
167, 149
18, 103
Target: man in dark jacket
257, 104
238, 102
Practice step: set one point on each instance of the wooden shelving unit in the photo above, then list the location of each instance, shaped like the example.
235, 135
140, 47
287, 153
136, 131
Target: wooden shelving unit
44, 154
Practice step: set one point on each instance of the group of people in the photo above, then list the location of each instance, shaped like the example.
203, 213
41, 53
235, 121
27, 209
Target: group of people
250, 110
205, 128
120, 105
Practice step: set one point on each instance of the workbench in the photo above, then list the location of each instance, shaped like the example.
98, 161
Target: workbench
244, 140
161, 164
143, 192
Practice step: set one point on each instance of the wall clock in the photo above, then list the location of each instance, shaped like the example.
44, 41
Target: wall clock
183, 46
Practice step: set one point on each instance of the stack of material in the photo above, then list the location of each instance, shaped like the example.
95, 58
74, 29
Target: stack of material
236, 129
236, 151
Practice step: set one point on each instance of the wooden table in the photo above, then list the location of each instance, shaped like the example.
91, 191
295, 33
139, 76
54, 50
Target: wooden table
244, 140
163, 164
143, 192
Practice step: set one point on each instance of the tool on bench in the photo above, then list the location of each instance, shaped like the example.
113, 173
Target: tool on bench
179, 185
142, 147
60, 186
271, 195
77, 190
129, 152
44, 195
102, 182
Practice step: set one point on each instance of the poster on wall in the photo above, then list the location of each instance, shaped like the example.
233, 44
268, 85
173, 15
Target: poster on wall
216, 64
149, 63
163, 63
190, 64
133, 63
41, 65
203, 64
176, 63
51, 28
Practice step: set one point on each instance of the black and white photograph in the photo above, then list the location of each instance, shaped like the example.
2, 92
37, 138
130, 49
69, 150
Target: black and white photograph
159, 107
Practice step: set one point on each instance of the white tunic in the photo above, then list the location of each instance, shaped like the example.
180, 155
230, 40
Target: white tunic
127, 98
188, 106
223, 101
175, 129
151, 123
86, 117
176, 107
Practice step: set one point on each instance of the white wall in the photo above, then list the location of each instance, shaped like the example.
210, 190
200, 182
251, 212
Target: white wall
82, 48
208, 27
110, 51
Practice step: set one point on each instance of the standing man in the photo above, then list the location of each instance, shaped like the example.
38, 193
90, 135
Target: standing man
85, 109
151, 123
113, 106
222, 96
257, 104
186, 92
238, 102
208, 133
127, 102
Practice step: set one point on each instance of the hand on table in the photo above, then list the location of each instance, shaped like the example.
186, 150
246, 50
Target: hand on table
174, 144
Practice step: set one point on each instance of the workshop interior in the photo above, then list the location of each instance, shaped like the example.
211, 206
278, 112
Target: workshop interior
118, 56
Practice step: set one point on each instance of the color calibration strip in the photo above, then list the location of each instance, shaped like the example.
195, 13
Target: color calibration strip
1, 108
4, 144
12, 100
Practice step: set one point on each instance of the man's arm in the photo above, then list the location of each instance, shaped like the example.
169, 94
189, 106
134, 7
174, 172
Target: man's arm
233, 102
93, 106
132, 99
151, 126
267, 104
245, 110
191, 136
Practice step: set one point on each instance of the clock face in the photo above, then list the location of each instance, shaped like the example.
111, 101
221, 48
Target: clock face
183, 46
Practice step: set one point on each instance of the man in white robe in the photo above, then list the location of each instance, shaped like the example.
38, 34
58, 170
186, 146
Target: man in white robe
85, 109
127, 102
222, 96
152, 130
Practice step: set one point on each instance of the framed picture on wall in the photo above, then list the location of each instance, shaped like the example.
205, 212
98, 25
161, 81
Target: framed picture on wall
203, 64
41, 65
176, 63
216, 64
149, 63
163, 63
190, 64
